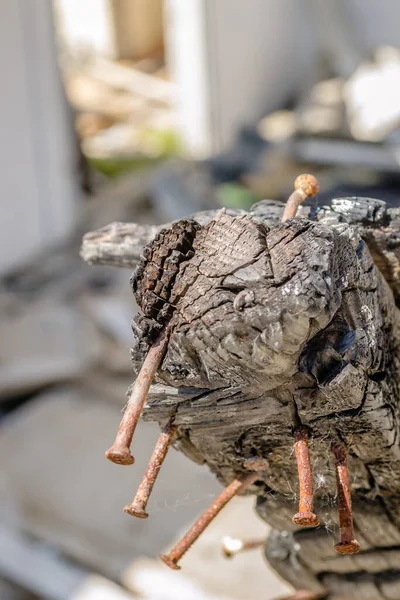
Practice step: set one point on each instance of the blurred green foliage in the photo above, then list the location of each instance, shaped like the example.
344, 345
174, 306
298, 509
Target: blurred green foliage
235, 195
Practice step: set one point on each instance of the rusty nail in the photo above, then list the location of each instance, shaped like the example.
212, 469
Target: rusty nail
235, 487
307, 595
138, 507
305, 517
347, 544
232, 546
119, 452
305, 185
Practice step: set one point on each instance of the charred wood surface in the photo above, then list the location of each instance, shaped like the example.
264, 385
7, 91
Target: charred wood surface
275, 326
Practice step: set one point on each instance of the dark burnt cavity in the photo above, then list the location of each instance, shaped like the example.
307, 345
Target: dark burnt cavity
153, 281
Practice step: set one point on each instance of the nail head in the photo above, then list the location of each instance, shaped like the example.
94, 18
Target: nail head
351, 547
170, 563
307, 183
306, 519
135, 511
231, 546
120, 457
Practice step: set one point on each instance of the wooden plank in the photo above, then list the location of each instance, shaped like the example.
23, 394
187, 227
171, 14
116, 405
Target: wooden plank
227, 58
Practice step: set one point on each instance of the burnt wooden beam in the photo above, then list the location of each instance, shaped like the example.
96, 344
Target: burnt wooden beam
117, 244
121, 244
276, 326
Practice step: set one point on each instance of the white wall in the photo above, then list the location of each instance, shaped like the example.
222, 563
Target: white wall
39, 194
85, 26
234, 61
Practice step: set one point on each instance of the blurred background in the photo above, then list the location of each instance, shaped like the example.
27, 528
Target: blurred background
147, 111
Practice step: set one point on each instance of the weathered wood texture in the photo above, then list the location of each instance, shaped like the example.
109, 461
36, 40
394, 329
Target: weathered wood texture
276, 325
121, 244
118, 244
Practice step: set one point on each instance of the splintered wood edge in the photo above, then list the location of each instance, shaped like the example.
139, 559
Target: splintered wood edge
117, 244
121, 244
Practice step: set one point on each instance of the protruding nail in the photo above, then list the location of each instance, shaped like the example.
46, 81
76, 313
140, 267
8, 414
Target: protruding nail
138, 507
235, 487
305, 517
307, 595
305, 185
232, 546
119, 452
348, 544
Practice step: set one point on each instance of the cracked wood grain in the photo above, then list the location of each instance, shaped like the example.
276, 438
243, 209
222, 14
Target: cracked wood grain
315, 343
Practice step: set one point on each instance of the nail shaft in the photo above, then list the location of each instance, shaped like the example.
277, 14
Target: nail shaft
307, 595
138, 507
348, 544
305, 517
119, 452
305, 186
235, 487
291, 206
232, 546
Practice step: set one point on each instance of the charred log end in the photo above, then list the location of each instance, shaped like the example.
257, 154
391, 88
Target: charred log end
154, 277
153, 281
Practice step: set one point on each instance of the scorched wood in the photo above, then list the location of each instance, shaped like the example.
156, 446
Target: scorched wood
277, 328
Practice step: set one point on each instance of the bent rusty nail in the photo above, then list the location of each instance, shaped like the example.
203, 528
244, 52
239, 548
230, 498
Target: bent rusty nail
120, 453
305, 185
137, 508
